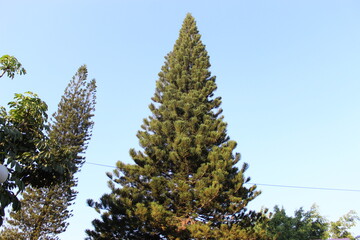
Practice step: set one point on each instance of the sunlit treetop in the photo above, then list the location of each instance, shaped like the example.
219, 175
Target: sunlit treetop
10, 66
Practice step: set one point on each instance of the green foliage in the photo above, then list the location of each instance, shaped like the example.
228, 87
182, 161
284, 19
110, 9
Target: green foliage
12, 234
36, 209
304, 225
340, 228
10, 65
45, 210
24, 146
184, 184
72, 126
25, 149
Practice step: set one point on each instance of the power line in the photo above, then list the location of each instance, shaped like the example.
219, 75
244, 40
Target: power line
270, 185
102, 165
302, 187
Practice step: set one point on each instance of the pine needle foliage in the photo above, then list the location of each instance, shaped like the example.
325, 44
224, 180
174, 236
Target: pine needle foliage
42, 216
45, 210
184, 184
72, 124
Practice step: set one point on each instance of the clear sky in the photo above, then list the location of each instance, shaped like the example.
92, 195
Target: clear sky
288, 73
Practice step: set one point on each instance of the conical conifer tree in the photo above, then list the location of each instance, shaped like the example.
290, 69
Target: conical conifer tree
184, 184
45, 210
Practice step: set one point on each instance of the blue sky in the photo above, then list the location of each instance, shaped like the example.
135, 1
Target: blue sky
288, 73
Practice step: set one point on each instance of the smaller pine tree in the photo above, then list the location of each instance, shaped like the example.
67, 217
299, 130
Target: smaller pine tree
45, 210
43, 214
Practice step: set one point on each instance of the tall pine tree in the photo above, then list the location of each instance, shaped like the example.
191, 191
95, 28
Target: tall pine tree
184, 184
45, 210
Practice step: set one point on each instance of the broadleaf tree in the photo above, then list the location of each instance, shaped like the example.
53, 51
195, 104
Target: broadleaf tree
304, 225
24, 144
307, 225
185, 183
341, 228
10, 66
23, 148
45, 210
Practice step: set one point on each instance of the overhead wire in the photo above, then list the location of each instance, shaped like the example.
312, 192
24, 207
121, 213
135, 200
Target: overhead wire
99, 164
269, 185
304, 187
